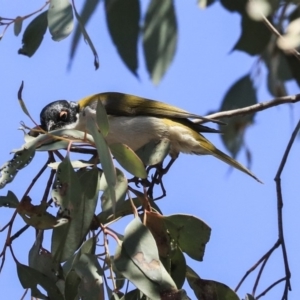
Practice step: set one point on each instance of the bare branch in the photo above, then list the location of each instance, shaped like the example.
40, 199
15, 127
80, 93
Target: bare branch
252, 108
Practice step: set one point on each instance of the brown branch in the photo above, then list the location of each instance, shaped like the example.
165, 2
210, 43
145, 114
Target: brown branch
252, 108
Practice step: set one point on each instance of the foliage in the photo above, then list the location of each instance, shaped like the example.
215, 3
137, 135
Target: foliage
151, 253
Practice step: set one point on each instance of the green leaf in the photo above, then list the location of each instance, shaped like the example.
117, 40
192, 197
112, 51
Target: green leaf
18, 25
127, 158
241, 94
101, 118
42, 261
10, 200
121, 210
209, 289
88, 9
21, 101
191, 234
21, 159
104, 156
159, 37
77, 198
154, 152
140, 246
120, 194
123, 17
71, 285
90, 272
34, 34
60, 19
42, 220
87, 39
30, 278
178, 267
88, 246
254, 38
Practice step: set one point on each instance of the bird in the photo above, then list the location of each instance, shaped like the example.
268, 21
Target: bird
136, 121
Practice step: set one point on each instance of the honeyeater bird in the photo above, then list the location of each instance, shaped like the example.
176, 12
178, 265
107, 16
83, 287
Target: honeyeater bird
136, 121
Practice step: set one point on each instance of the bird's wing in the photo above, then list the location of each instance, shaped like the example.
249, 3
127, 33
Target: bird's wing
120, 104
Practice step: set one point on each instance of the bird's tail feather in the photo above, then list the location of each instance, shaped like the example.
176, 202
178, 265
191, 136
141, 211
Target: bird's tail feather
232, 162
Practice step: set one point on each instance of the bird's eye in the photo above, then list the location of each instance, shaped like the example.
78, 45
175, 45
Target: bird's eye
63, 116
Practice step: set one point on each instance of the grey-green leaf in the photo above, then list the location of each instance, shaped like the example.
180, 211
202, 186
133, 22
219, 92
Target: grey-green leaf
123, 17
34, 34
154, 152
10, 200
30, 278
77, 198
241, 94
141, 248
209, 289
90, 272
254, 38
87, 39
159, 37
191, 233
18, 25
20, 160
120, 193
127, 158
60, 19
88, 9
101, 118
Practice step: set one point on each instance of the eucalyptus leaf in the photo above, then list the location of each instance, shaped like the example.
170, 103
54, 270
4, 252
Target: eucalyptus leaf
254, 38
209, 289
127, 158
21, 159
159, 37
34, 34
105, 158
123, 17
241, 94
191, 234
101, 118
120, 193
89, 7
18, 25
30, 278
42, 261
90, 272
87, 38
10, 200
77, 198
154, 152
60, 19
141, 247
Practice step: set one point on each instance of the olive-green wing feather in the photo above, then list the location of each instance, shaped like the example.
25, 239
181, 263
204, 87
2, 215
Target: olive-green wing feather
129, 105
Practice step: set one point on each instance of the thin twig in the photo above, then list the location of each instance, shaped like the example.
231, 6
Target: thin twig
280, 206
270, 287
252, 108
263, 258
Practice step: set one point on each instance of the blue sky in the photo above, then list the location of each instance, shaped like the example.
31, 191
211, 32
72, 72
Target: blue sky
240, 211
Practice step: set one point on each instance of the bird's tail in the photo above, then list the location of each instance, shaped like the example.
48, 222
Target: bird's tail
232, 162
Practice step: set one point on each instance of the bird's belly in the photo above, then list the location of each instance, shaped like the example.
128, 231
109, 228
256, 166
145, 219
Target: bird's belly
135, 132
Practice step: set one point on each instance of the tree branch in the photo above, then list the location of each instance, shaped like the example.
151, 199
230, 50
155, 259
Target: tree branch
252, 108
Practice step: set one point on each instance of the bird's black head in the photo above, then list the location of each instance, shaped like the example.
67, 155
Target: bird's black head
58, 114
